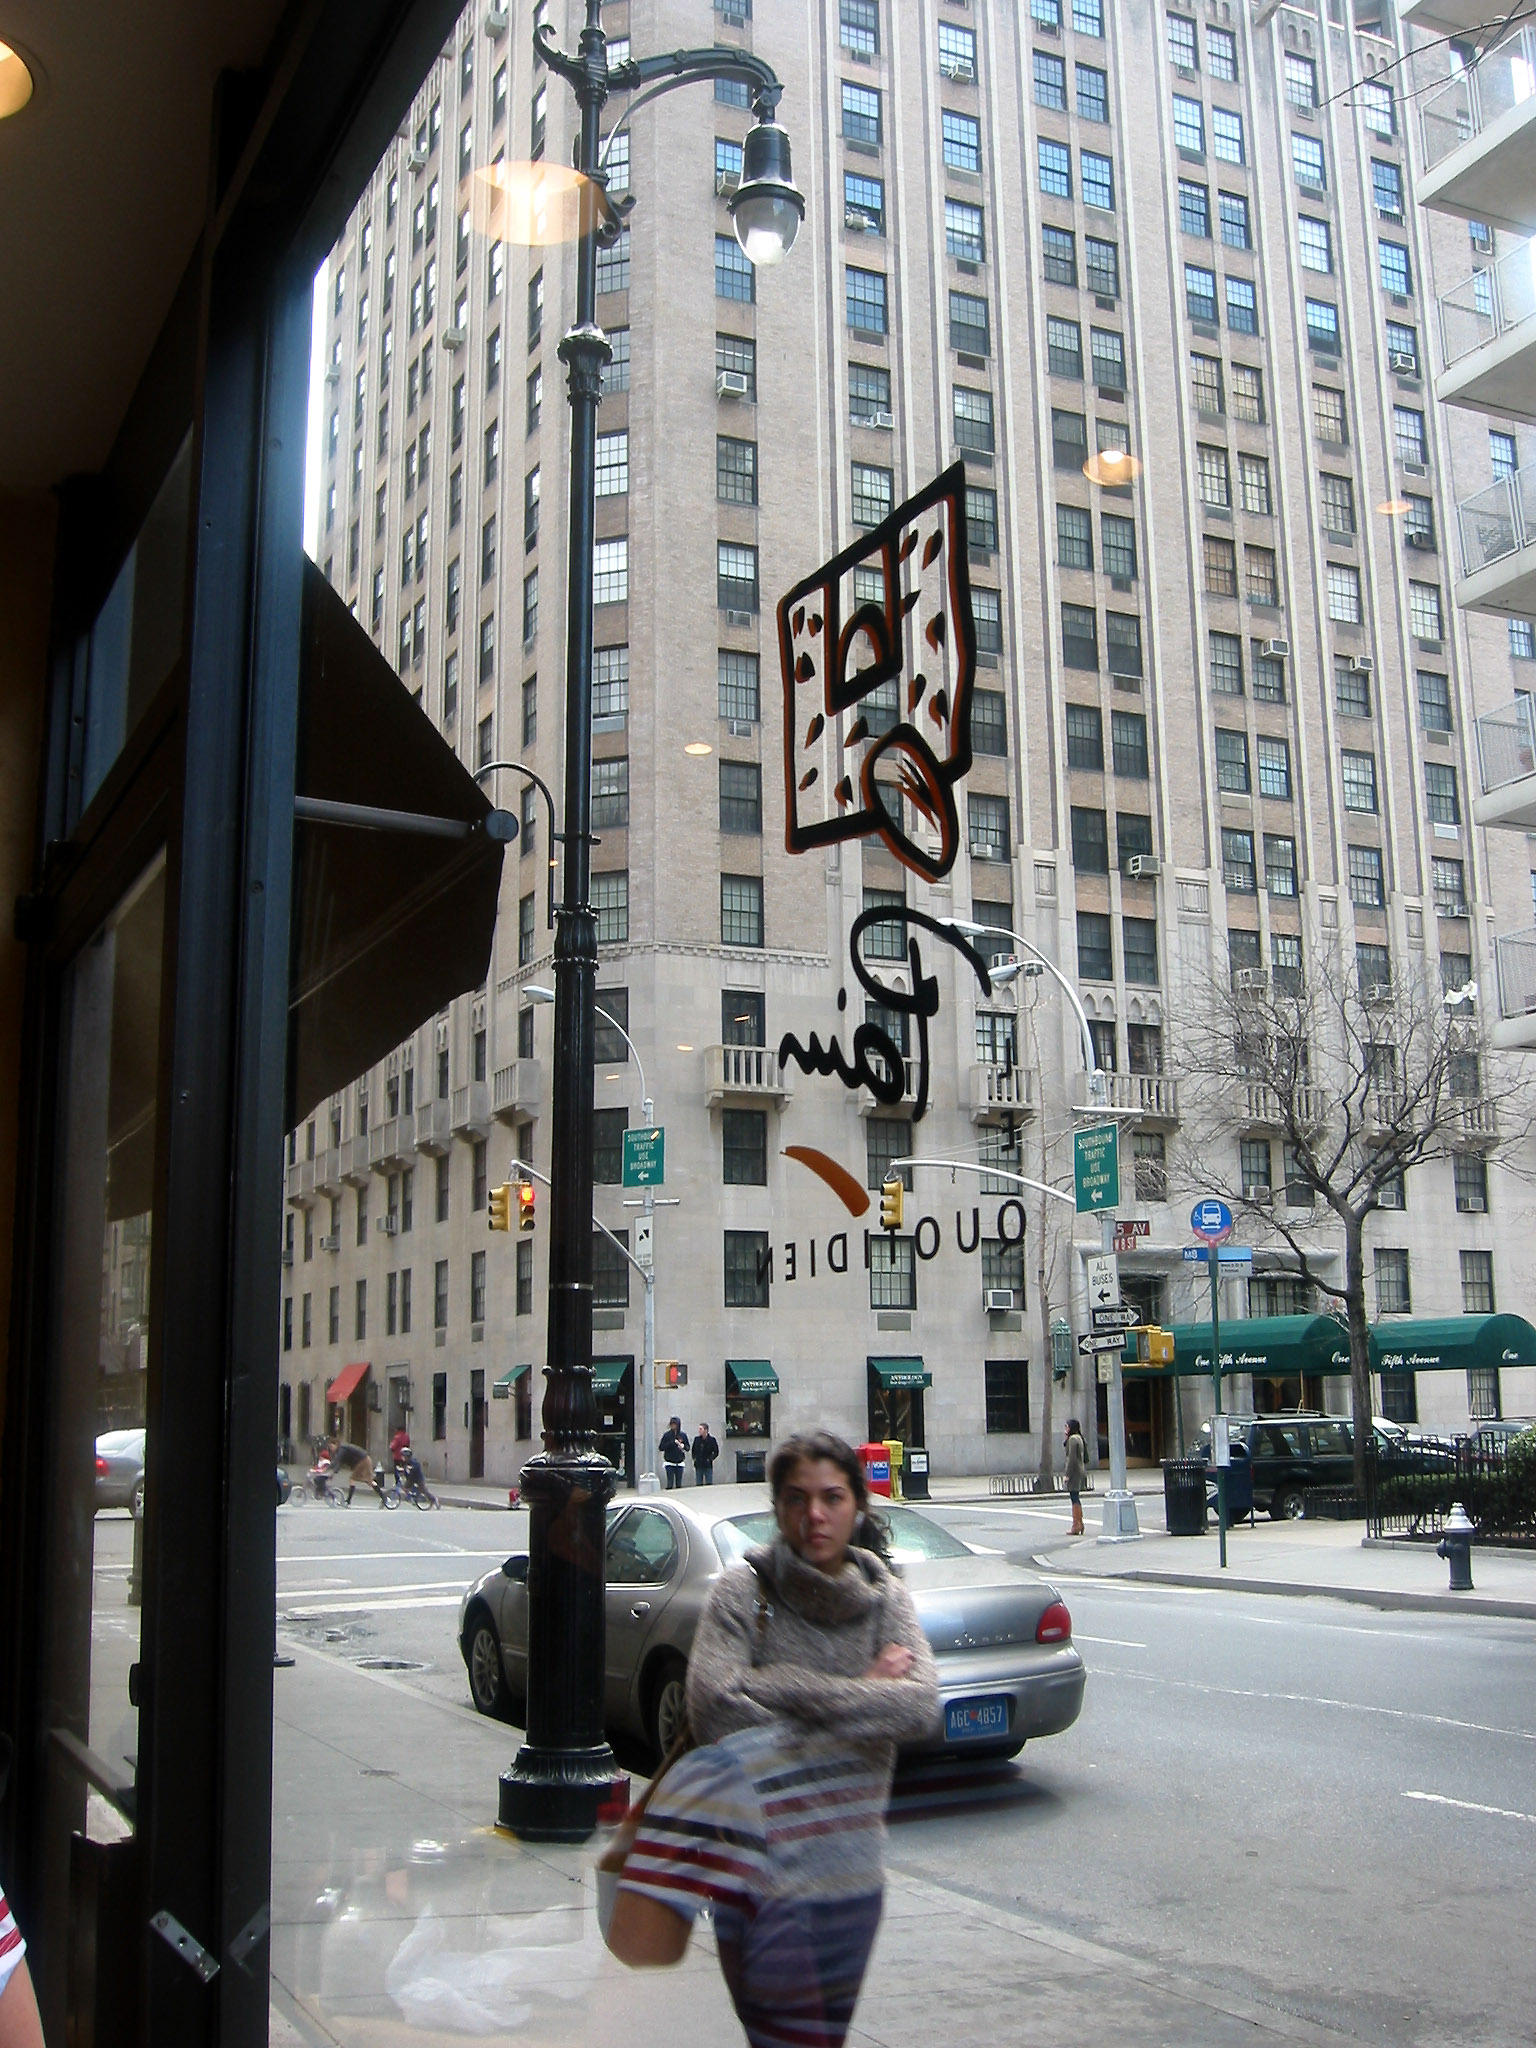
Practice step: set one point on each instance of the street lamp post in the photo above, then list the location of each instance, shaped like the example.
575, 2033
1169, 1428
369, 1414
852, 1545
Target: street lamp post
565, 1771
645, 1419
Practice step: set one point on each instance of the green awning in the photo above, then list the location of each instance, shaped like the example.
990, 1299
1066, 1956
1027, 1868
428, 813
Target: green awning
608, 1374
511, 1376
1451, 1343
753, 1376
1271, 1346
900, 1372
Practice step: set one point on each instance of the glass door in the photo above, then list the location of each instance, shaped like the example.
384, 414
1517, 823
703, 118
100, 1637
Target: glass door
99, 1349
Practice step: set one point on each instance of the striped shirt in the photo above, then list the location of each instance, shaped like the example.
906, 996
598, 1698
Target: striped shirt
769, 1812
12, 1947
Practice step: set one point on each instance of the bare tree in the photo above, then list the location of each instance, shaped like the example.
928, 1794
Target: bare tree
1359, 1080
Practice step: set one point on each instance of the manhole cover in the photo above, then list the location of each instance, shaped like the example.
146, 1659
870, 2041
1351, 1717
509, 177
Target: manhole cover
389, 1664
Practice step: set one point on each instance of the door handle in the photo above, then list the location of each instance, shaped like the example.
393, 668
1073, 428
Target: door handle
640, 1609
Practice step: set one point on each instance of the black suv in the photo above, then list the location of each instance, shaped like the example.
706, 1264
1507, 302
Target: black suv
1289, 1453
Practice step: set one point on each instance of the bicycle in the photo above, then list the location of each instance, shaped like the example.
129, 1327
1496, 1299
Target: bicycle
410, 1490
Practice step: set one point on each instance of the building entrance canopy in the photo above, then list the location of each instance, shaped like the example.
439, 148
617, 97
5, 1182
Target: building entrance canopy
346, 1383
1273, 1347
752, 1376
1452, 1343
900, 1372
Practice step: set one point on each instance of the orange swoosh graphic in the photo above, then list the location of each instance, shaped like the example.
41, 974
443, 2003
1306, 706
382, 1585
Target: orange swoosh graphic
855, 1199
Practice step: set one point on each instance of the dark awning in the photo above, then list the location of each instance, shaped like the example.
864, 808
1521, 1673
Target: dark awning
752, 1376
1447, 1343
608, 1374
388, 926
346, 1381
900, 1372
511, 1376
1281, 1347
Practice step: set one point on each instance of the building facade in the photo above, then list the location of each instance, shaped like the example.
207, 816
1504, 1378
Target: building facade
1156, 277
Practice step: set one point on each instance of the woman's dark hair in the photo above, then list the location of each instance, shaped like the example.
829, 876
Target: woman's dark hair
871, 1531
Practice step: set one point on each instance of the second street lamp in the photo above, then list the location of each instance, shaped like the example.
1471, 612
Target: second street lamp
565, 1771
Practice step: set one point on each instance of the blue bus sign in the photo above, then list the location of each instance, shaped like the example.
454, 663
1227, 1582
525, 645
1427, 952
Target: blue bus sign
1210, 1220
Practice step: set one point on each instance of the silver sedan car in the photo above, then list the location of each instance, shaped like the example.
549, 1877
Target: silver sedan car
120, 1470
1002, 1637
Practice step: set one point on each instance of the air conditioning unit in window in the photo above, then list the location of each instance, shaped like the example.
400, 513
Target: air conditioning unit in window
997, 1300
287, 1258
856, 220
726, 183
1363, 664
1143, 867
1251, 980
1416, 468
1184, 71
731, 384
1281, 647
453, 337
496, 20
1402, 362
417, 159
388, 1225
1472, 1205
958, 67
1425, 542
878, 419
732, 12
1259, 1197
1377, 992
330, 1244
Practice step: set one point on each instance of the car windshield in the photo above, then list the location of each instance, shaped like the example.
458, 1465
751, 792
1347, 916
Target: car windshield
913, 1536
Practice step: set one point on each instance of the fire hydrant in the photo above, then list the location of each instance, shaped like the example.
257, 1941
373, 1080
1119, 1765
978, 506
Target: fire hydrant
1455, 1546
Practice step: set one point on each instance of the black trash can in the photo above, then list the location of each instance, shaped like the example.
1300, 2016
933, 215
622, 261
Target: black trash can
914, 1473
1184, 1496
751, 1468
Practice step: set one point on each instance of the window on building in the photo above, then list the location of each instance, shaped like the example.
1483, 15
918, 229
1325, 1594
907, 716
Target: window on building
1128, 743
1477, 1283
865, 300
1470, 1171
1323, 326
1351, 689
1274, 764
981, 519
1054, 162
1181, 43
1205, 384
964, 235
1449, 879
1227, 136
736, 586
1188, 124
610, 902
859, 27
1095, 956
744, 1147
1092, 90
1261, 583
1307, 163
1434, 702
741, 910
1393, 269
1085, 737
1050, 75
1279, 865
610, 793
1194, 209
1424, 610
1344, 604
1226, 664
1315, 244
1367, 889
1358, 773
1079, 634
741, 797
861, 114
1408, 434
968, 324
1098, 175
1214, 476
735, 277
1101, 266
1441, 790
1238, 868
1059, 247
1220, 559
1248, 393
864, 203
1242, 306
1232, 773
748, 1260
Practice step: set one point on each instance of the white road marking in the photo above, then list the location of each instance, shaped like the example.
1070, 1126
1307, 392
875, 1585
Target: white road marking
1112, 1642
1470, 1806
1303, 1699
332, 1558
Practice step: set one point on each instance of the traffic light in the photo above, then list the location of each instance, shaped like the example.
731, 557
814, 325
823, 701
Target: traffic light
499, 1208
891, 1193
525, 1205
1149, 1345
671, 1374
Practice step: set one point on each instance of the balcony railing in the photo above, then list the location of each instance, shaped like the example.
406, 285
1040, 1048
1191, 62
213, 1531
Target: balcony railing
869, 1105
1000, 1090
391, 1144
1474, 99
472, 1108
328, 1170
1262, 1107
1487, 304
749, 1071
1506, 745
1152, 1097
1480, 1120
1498, 522
516, 1090
432, 1131
1515, 953
354, 1160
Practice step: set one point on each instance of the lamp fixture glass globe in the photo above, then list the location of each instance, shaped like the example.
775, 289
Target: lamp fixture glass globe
766, 208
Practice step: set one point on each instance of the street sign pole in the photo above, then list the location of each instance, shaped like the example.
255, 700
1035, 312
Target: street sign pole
1213, 1267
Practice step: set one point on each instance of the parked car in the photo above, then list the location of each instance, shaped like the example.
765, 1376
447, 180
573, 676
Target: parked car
1500, 1434
1002, 1636
284, 1486
1292, 1452
120, 1470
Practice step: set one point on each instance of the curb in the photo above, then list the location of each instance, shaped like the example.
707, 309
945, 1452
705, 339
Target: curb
1360, 1596
488, 1507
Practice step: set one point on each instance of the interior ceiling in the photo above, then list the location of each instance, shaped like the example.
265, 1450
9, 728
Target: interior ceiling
103, 178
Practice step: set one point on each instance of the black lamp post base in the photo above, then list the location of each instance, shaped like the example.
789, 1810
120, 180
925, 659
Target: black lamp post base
561, 1795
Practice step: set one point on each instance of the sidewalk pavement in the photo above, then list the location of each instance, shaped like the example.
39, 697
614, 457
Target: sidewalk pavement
1301, 1559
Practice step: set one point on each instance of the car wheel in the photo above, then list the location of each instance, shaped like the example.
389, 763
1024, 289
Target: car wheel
136, 1500
1287, 1505
482, 1658
668, 1705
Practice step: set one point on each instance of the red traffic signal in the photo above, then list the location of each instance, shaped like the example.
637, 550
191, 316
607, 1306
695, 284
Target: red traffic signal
525, 1215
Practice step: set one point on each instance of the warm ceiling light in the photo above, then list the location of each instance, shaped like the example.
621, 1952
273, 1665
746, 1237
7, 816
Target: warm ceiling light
15, 81
685, 1048
1111, 466
533, 205
1393, 508
698, 748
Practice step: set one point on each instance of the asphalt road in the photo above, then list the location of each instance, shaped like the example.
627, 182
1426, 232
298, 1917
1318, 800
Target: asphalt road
1328, 1812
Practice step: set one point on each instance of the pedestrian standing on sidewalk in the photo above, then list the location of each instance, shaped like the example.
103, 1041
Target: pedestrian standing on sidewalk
809, 1667
705, 1452
1077, 1472
674, 1451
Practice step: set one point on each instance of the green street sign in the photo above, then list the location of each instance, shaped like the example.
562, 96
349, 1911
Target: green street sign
1096, 1168
645, 1158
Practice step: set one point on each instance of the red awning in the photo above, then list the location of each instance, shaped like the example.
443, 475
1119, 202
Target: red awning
345, 1382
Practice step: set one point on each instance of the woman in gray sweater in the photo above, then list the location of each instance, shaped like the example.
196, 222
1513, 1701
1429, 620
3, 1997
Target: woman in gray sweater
809, 1668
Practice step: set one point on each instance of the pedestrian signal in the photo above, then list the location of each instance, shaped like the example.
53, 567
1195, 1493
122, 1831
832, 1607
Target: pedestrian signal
499, 1202
1148, 1345
525, 1205
891, 1193
670, 1373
